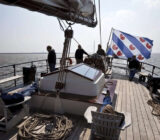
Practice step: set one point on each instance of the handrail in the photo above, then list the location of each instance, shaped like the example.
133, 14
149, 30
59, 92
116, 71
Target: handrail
15, 68
23, 63
141, 62
152, 71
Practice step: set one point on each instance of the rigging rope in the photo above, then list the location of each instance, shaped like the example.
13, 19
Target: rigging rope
66, 50
155, 107
50, 127
62, 28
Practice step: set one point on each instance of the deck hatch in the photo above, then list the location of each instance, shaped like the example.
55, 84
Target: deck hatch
86, 71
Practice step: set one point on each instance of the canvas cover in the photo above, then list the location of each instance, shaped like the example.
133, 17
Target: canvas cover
78, 11
85, 7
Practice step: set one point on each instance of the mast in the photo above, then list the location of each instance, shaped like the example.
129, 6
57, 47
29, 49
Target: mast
100, 32
109, 39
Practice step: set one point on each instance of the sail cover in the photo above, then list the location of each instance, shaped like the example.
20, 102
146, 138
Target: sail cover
78, 11
124, 45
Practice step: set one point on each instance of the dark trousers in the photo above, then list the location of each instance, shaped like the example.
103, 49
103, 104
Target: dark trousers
79, 61
132, 73
51, 67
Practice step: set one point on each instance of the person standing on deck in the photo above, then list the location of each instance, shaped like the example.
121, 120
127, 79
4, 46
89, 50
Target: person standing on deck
51, 58
100, 51
134, 67
79, 54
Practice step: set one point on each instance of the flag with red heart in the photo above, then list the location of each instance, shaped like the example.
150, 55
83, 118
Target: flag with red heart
125, 45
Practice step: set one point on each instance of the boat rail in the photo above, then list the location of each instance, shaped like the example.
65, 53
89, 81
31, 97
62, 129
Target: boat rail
7, 71
42, 67
146, 67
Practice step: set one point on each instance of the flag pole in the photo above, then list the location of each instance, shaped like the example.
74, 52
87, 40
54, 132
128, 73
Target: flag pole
109, 40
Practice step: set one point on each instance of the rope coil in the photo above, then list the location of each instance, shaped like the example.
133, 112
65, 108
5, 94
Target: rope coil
42, 127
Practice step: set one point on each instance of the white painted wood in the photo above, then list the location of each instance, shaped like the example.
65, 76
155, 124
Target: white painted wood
88, 114
48, 104
75, 84
10, 79
16, 118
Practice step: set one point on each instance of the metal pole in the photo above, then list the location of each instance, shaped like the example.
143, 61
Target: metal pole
14, 70
153, 70
47, 65
100, 33
109, 40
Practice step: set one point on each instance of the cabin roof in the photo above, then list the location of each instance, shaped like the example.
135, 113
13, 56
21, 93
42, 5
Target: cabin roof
82, 70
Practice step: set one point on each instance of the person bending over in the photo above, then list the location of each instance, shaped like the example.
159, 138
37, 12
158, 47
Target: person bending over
79, 54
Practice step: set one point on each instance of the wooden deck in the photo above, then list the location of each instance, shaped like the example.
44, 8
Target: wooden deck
131, 97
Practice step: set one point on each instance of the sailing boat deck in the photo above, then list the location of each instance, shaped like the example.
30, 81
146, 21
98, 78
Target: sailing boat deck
131, 97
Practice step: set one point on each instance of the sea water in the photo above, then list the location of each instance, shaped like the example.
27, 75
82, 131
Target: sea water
14, 58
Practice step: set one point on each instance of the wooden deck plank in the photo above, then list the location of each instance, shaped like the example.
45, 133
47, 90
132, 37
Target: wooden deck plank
144, 115
149, 114
10, 79
117, 93
128, 104
136, 134
119, 101
123, 106
143, 133
154, 117
76, 130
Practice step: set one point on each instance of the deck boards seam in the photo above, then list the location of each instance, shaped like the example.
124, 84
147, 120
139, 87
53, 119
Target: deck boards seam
145, 117
134, 116
143, 133
145, 108
123, 106
151, 118
130, 128
154, 117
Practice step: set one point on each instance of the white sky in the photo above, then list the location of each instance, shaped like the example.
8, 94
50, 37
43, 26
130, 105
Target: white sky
25, 31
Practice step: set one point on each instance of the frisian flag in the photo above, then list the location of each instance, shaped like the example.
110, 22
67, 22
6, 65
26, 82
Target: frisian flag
124, 45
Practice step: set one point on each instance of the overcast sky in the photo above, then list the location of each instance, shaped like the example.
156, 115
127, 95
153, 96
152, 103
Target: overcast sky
25, 31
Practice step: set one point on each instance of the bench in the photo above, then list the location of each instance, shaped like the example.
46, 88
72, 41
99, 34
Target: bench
10, 79
9, 120
108, 73
142, 76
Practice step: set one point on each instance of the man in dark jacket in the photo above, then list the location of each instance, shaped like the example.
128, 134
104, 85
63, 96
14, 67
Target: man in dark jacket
79, 54
51, 58
134, 67
100, 51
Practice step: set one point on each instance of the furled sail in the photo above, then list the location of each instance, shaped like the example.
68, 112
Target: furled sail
78, 11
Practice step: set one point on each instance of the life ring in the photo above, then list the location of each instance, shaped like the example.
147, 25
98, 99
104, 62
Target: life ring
67, 59
70, 60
